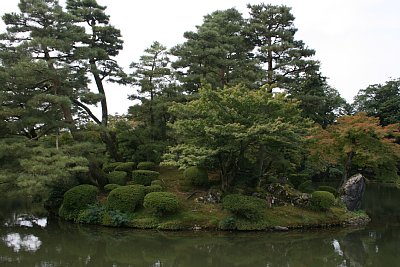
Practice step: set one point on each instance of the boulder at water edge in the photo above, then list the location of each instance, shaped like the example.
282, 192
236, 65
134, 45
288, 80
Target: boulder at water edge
352, 192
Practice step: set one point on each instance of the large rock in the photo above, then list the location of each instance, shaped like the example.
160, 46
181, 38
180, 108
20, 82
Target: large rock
352, 192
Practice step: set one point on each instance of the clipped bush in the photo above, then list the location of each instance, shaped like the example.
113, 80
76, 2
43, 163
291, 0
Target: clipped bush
144, 177
247, 207
114, 218
146, 165
126, 167
110, 166
157, 182
126, 198
161, 203
322, 200
306, 187
196, 176
153, 188
326, 188
91, 215
117, 177
110, 187
76, 199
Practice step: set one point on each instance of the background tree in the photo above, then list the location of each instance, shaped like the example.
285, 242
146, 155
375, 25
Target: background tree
270, 31
382, 101
216, 53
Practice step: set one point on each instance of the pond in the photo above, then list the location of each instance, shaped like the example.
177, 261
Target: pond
27, 240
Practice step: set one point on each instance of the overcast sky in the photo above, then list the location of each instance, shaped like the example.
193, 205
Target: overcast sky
356, 41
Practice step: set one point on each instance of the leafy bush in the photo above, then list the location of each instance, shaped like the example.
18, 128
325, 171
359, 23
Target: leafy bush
322, 200
144, 177
157, 182
146, 165
114, 218
306, 187
110, 187
329, 189
117, 177
196, 176
247, 207
228, 224
153, 188
77, 199
126, 167
161, 203
126, 198
110, 166
92, 215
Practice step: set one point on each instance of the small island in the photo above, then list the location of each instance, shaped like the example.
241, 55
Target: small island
236, 128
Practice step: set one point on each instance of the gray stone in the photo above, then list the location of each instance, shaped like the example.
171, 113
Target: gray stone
352, 191
281, 228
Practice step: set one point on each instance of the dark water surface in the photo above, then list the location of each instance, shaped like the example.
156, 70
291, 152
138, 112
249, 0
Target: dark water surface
27, 240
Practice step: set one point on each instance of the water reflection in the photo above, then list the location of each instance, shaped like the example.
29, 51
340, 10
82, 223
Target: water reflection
26, 243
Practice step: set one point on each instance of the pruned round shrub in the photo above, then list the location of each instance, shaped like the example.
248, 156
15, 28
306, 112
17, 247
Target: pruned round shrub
110, 187
126, 167
196, 176
76, 199
146, 165
157, 182
153, 188
247, 207
329, 189
144, 177
161, 203
126, 198
117, 177
306, 187
110, 166
322, 200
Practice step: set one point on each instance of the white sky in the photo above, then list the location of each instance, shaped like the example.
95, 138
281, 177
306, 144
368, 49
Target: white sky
356, 41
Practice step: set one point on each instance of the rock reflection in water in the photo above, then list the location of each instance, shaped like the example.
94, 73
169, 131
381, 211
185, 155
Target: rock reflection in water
26, 243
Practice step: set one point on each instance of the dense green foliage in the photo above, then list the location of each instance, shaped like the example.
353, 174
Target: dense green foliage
144, 177
146, 165
126, 167
247, 207
117, 177
110, 187
153, 188
77, 199
322, 200
161, 203
329, 189
126, 198
306, 187
110, 166
196, 176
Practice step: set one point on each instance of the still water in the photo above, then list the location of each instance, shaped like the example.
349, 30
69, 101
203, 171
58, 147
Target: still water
27, 240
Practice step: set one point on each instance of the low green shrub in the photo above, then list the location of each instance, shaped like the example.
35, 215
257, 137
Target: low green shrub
329, 189
247, 207
77, 199
153, 188
110, 187
306, 187
322, 200
114, 218
196, 176
144, 177
126, 198
126, 167
117, 177
228, 224
161, 203
157, 182
146, 165
110, 166
91, 215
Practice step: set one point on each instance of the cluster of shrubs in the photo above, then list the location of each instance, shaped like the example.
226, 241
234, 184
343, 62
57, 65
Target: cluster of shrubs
246, 207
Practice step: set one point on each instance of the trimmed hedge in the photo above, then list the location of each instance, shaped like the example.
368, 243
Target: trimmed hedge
144, 177
76, 199
329, 189
161, 203
307, 187
126, 167
110, 187
157, 182
146, 165
196, 176
126, 198
247, 207
322, 200
110, 166
117, 177
153, 188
